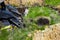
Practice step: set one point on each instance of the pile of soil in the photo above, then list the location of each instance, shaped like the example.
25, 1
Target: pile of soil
51, 33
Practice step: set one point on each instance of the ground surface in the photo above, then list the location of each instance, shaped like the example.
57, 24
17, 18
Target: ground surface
31, 26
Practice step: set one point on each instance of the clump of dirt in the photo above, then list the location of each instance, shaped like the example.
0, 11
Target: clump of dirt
21, 10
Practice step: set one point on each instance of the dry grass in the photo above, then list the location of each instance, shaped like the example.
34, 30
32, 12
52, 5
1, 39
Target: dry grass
25, 2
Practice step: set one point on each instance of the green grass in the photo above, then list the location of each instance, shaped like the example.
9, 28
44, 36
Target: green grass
43, 11
52, 2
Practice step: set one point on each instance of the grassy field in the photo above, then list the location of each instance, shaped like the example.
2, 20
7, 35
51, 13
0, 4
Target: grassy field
34, 13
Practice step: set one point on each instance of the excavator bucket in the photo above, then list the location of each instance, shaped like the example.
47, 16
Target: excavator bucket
11, 18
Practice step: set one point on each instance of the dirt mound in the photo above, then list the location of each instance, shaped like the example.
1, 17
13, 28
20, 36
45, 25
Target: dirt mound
51, 33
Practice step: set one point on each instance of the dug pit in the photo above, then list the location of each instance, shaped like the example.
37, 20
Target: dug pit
43, 21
